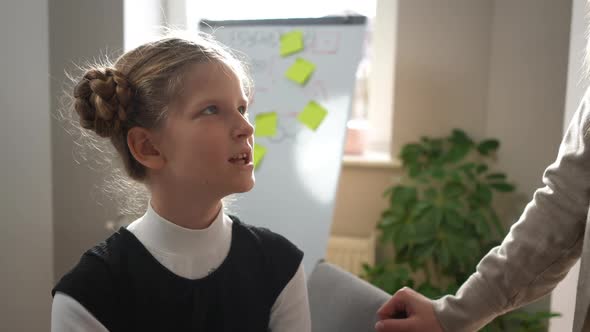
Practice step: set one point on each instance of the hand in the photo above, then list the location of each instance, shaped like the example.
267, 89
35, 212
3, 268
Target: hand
417, 309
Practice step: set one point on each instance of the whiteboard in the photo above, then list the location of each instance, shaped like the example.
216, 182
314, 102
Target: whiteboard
296, 182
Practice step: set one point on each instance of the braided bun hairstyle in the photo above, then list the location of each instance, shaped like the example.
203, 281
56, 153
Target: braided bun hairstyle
136, 90
102, 100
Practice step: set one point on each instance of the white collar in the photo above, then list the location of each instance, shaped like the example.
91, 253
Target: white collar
157, 233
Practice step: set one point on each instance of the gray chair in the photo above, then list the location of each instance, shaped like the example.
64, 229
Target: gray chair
342, 302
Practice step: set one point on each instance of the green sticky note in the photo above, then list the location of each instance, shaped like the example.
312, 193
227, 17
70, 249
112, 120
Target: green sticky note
300, 71
266, 124
291, 42
312, 115
259, 152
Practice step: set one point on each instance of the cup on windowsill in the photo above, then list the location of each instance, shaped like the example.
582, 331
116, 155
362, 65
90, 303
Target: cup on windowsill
356, 137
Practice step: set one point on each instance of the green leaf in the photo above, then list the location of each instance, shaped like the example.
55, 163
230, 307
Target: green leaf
421, 208
436, 216
423, 237
388, 191
546, 315
486, 247
496, 222
453, 189
483, 194
398, 212
457, 152
402, 273
481, 225
496, 176
437, 172
454, 175
404, 236
404, 196
430, 194
467, 166
468, 169
502, 186
429, 290
526, 322
425, 232
488, 146
455, 246
389, 220
443, 255
454, 219
455, 203
424, 251
414, 170
422, 180
452, 289
481, 168
483, 228
410, 153
433, 147
386, 213
458, 136
389, 279
388, 233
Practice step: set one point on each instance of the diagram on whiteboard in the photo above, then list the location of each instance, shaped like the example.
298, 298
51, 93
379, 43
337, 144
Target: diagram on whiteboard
304, 76
279, 126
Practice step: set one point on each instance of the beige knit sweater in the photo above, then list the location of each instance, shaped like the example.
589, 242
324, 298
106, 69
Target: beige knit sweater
540, 248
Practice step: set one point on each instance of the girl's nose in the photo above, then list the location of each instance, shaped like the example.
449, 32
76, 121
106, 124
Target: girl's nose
243, 129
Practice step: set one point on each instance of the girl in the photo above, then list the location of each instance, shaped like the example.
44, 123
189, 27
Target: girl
176, 112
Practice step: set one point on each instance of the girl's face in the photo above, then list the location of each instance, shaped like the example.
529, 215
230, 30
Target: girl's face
207, 138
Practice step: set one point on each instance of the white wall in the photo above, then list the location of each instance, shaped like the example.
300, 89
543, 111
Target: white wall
79, 31
528, 71
441, 69
25, 171
564, 295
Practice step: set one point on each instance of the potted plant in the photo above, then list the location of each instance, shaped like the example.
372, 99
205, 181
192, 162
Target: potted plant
441, 221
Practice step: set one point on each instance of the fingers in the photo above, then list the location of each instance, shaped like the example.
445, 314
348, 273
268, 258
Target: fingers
395, 325
399, 302
418, 310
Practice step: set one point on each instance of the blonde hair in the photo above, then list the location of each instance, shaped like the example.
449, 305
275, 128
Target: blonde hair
135, 90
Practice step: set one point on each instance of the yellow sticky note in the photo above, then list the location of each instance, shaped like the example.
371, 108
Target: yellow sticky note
291, 42
312, 115
300, 71
259, 152
266, 124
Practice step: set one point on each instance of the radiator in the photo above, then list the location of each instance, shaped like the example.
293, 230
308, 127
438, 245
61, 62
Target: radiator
350, 252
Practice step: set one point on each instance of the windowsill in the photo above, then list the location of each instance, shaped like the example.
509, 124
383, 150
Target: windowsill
371, 160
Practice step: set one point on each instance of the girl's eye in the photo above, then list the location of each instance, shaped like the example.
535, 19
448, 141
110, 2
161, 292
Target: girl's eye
210, 110
243, 110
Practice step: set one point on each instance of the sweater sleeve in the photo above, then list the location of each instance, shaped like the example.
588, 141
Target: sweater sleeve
290, 312
541, 246
91, 284
68, 315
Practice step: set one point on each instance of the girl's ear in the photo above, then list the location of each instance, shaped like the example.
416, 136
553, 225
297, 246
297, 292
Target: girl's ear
141, 144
